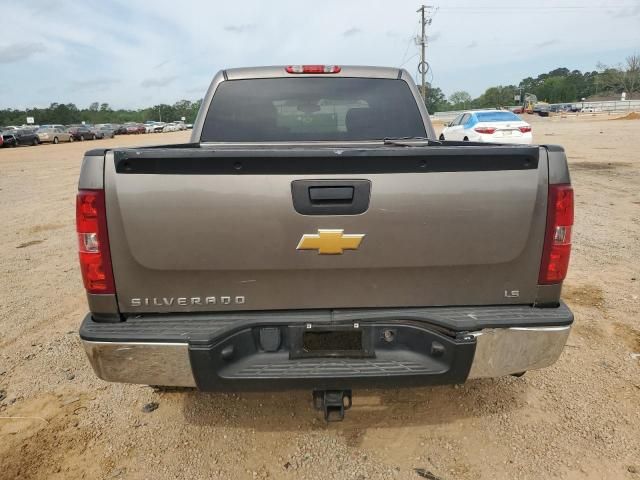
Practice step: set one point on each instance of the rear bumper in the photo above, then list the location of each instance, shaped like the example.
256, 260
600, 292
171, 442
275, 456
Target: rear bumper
218, 353
525, 139
503, 351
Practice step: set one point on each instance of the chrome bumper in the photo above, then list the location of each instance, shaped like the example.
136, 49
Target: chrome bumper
499, 352
164, 364
503, 351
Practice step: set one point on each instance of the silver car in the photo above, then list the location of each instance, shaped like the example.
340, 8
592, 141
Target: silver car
106, 131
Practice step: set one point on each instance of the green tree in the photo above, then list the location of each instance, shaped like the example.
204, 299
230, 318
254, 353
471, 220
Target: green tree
435, 100
495, 97
459, 100
623, 78
561, 85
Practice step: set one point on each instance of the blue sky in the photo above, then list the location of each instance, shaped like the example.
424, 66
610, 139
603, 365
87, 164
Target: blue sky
138, 53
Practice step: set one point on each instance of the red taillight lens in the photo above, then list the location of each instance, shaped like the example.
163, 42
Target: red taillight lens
557, 242
93, 242
488, 130
526, 129
313, 69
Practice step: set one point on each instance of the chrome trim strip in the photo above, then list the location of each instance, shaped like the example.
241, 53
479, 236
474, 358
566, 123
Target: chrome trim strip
503, 351
165, 364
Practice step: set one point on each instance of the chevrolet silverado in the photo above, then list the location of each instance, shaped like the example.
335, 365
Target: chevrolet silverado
315, 234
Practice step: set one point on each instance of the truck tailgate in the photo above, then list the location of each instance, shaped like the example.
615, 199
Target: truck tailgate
204, 229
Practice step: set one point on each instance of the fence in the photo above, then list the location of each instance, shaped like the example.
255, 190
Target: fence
612, 106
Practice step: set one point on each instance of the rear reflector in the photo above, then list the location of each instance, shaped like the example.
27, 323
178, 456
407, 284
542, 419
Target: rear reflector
557, 241
313, 69
93, 242
487, 130
526, 129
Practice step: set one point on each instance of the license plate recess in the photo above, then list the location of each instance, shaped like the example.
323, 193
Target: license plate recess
330, 342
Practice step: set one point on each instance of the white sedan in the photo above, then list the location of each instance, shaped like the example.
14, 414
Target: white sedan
492, 126
170, 127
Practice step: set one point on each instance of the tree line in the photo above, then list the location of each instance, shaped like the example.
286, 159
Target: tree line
68, 114
557, 86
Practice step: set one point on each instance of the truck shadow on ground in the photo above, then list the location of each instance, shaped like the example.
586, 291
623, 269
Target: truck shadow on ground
373, 408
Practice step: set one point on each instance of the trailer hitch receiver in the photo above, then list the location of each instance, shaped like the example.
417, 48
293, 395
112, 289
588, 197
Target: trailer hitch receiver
333, 403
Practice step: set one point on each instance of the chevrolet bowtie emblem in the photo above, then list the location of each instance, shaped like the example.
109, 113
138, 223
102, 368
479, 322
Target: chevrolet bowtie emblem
330, 242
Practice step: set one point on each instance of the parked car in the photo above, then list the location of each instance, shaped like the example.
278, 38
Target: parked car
1, 141
132, 129
82, 133
97, 132
120, 129
517, 109
135, 128
153, 126
106, 131
541, 108
494, 126
170, 127
25, 136
9, 139
53, 134
436, 264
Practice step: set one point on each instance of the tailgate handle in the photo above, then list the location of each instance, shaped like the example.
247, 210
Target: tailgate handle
331, 194
331, 197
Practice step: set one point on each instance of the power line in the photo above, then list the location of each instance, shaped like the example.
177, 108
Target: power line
511, 6
409, 40
506, 9
426, 17
408, 60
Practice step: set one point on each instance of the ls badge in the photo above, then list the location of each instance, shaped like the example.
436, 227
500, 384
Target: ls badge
330, 242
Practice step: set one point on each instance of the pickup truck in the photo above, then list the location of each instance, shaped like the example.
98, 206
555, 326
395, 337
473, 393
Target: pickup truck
315, 234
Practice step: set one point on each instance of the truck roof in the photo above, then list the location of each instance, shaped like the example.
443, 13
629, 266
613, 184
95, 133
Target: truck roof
345, 71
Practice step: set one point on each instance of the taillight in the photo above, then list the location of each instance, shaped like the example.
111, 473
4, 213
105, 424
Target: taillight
488, 130
313, 69
93, 242
526, 129
557, 241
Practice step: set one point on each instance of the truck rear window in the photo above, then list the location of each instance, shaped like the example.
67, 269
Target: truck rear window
311, 109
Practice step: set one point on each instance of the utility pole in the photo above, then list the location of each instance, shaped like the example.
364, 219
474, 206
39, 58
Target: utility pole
426, 12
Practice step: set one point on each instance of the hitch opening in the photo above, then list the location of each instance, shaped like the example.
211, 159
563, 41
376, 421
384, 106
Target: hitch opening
333, 403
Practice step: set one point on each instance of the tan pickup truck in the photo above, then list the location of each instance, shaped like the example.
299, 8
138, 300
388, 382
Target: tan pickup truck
316, 234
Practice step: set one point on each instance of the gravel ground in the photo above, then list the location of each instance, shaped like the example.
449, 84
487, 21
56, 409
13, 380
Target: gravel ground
577, 419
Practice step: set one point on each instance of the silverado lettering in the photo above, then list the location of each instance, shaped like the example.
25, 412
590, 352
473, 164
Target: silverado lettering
184, 301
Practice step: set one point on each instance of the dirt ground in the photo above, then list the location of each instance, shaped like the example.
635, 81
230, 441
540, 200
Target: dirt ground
577, 419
